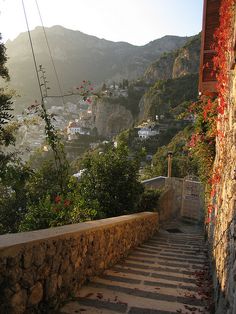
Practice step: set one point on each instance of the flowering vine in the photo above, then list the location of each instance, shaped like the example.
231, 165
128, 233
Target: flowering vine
221, 62
223, 48
85, 90
210, 110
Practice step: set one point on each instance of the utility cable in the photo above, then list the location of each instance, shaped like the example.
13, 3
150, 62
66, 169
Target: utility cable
50, 53
32, 49
47, 120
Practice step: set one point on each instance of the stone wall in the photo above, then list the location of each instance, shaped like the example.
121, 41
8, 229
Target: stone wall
223, 233
181, 198
39, 269
223, 225
192, 208
155, 183
171, 199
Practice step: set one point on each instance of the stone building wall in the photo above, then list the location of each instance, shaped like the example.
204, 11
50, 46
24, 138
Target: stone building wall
178, 201
170, 199
39, 269
223, 225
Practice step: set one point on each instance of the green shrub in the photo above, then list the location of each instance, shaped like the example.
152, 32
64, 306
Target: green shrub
149, 200
110, 183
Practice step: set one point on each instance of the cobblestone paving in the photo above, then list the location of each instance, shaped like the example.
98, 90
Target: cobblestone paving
159, 277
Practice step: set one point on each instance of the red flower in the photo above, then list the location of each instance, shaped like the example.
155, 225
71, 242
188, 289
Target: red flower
66, 203
57, 199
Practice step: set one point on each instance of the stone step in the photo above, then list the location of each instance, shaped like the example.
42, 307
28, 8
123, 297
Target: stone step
142, 276
188, 260
169, 251
158, 277
124, 300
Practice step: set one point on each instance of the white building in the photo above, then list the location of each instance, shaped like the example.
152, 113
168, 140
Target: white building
74, 128
145, 133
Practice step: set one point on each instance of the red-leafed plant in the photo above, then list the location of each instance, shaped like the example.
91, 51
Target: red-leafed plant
211, 111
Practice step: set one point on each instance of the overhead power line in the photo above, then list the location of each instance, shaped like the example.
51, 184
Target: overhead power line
32, 49
39, 70
50, 53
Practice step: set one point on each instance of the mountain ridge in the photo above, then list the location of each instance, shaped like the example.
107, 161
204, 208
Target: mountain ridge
78, 56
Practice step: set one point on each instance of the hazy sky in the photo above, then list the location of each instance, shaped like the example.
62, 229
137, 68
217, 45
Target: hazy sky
134, 21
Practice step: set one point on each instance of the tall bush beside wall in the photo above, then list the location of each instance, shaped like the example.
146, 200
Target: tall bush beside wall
110, 183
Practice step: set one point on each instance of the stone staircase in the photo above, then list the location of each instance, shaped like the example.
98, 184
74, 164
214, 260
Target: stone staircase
166, 275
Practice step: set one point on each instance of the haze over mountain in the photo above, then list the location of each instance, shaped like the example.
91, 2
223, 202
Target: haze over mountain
78, 56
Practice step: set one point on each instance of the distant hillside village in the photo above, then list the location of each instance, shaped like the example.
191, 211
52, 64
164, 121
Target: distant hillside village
78, 117
152, 106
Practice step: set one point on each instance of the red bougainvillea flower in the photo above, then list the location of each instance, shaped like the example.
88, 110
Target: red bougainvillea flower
213, 192
66, 203
89, 100
57, 199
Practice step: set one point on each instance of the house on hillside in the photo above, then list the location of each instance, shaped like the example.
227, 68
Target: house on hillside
145, 133
75, 128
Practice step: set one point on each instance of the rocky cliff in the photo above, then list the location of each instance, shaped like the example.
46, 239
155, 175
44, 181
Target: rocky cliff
172, 82
178, 71
176, 63
110, 118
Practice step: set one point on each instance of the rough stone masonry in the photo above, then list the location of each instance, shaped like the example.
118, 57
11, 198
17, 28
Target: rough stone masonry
40, 269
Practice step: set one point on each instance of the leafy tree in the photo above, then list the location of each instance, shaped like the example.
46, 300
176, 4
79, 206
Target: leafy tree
183, 163
104, 87
110, 183
6, 137
46, 207
149, 200
3, 59
13, 199
125, 83
13, 175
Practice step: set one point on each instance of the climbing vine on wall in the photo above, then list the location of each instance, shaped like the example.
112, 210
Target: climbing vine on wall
210, 111
223, 47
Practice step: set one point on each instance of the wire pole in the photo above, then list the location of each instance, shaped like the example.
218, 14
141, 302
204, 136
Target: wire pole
169, 156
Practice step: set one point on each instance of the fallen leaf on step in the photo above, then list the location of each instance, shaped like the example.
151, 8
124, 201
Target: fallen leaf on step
99, 295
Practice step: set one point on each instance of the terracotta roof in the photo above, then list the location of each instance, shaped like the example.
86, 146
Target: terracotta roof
73, 125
